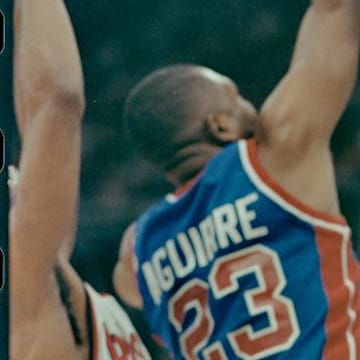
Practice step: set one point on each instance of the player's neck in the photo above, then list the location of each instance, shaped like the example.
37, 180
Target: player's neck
190, 161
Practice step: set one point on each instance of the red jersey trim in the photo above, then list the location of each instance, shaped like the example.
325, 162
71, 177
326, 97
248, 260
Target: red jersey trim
284, 194
340, 278
183, 189
187, 186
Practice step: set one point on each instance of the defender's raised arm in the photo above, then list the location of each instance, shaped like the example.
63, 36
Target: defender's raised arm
54, 314
47, 63
49, 106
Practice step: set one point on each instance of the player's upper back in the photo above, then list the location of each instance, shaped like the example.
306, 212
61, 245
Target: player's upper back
235, 267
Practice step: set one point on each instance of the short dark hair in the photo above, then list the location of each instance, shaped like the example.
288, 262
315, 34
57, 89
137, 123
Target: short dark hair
162, 110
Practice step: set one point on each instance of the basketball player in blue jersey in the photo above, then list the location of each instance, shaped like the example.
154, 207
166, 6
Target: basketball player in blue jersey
250, 258
54, 315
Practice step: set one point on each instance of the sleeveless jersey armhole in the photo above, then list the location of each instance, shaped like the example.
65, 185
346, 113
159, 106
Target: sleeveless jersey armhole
264, 182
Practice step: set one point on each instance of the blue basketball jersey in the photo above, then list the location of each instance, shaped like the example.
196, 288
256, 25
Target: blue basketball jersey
234, 267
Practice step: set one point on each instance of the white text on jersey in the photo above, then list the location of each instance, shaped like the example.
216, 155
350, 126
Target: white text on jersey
228, 223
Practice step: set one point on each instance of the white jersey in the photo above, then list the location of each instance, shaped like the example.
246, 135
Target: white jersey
113, 335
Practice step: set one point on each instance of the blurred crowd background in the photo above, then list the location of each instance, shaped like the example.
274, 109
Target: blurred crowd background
120, 42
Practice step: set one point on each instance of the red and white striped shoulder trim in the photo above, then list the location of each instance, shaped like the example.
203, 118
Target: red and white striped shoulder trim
263, 181
183, 189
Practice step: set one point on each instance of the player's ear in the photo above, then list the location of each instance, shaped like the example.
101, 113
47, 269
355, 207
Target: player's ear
222, 127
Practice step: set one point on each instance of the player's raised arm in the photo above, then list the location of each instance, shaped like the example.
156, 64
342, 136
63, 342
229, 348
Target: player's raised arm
49, 107
307, 104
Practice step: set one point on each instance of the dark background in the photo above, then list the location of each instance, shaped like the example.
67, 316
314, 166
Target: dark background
120, 42
6, 123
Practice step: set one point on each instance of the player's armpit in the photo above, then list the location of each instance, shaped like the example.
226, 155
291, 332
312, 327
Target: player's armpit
124, 275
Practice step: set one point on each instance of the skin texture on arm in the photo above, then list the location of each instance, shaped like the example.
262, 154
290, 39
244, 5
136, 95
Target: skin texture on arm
49, 93
298, 118
49, 107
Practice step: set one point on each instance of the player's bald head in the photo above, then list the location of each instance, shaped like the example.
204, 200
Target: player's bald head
167, 109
